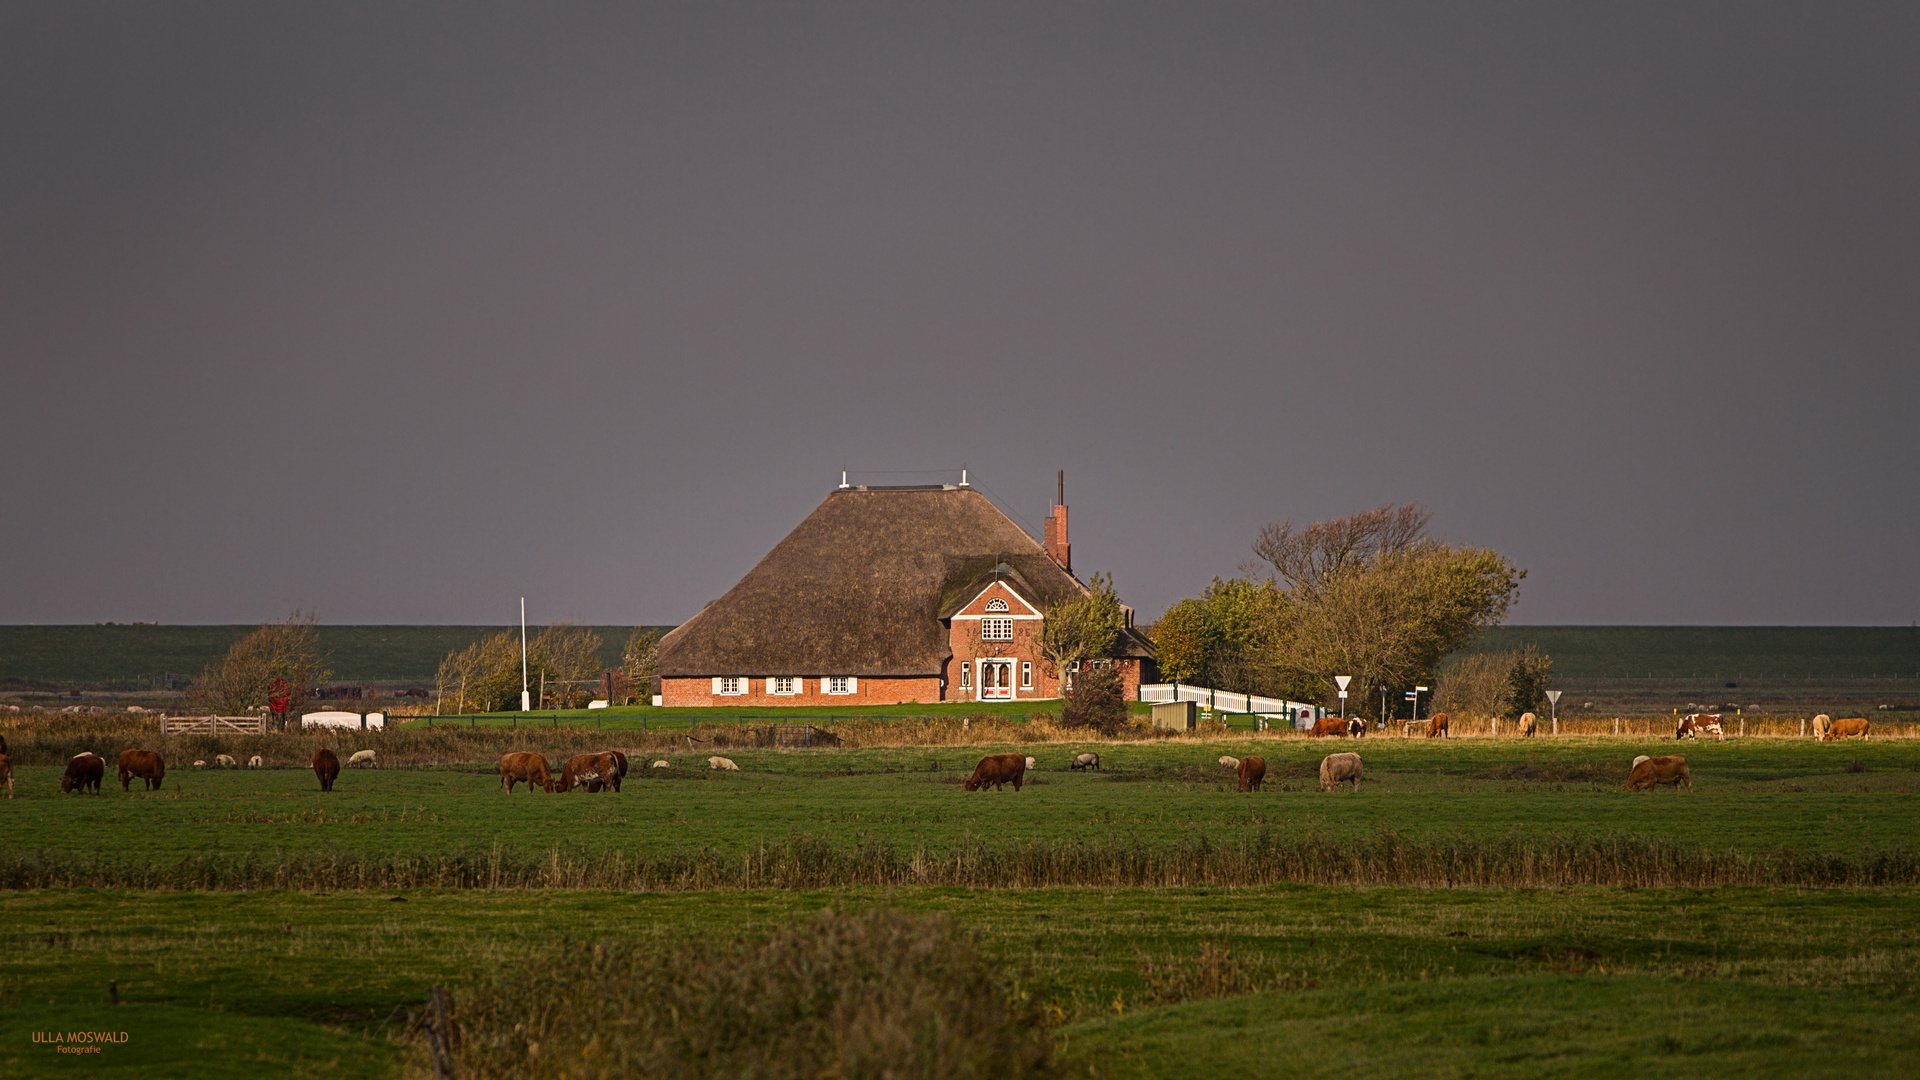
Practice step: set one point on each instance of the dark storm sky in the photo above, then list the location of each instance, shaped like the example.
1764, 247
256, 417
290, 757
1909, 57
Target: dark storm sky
397, 312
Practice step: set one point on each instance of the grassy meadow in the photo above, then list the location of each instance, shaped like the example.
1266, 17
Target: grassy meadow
1481, 906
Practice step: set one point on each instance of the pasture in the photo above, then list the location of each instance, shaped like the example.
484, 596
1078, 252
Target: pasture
1480, 905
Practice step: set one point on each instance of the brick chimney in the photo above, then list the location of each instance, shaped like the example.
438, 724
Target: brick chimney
1056, 531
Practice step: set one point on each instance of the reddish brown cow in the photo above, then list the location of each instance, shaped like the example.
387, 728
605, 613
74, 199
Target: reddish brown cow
1438, 728
1252, 771
326, 766
528, 767
6, 773
595, 772
620, 760
1848, 728
1329, 725
84, 771
146, 765
1653, 772
998, 769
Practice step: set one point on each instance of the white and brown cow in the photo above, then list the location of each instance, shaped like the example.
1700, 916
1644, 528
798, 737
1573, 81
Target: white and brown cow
1694, 725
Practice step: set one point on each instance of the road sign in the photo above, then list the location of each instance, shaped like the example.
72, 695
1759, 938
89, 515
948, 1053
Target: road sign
1343, 680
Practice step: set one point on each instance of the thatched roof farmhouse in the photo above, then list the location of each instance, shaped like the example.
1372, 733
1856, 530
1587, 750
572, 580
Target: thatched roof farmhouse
886, 595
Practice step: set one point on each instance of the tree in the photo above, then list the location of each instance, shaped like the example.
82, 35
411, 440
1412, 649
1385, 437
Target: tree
639, 659
1528, 677
483, 677
1097, 700
275, 660
565, 661
1184, 640
1083, 627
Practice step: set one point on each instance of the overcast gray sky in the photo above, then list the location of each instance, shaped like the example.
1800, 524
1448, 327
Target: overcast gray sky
397, 312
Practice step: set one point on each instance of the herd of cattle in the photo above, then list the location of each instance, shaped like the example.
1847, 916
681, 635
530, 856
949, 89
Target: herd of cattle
603, 770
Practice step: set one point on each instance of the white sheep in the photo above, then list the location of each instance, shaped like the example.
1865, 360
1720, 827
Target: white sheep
1088, 760
663, 764
254, 762
1229, 763
199, 764
363, 759
225, 761
723, 764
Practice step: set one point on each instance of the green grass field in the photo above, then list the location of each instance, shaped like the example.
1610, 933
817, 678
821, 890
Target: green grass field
1578, 980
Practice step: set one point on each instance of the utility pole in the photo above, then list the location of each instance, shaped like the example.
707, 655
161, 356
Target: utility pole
525, 705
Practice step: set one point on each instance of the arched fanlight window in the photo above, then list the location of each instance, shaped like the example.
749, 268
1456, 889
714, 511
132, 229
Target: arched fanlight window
996, 604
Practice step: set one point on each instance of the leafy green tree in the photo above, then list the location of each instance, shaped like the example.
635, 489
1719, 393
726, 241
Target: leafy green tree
1528, 680
1084, 627
1184, 640
639, 659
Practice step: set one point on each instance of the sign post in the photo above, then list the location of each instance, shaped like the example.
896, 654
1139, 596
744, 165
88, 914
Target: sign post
1553, 700
1343, 680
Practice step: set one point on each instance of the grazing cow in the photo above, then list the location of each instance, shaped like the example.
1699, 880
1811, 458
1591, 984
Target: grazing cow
6, 772
1437, 728
326, 766
362, 759
1356, 728
722, 764
1329, 725
663, 764
594, 772
1848, 728
1032, 764
1252, 770
1694, 725
84, 771
254, 762
1529, 725
525, 766
1229, 763
620, 767
1087, 760
1820, 725
225, 761
145, 764
1653, 772
998, 769
1337, 769
1638, 760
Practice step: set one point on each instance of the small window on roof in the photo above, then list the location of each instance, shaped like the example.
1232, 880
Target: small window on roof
996, 604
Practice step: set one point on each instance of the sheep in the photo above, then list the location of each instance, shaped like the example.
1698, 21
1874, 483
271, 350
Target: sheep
722, 764
1087, 760
362, 759
198, 764
1032, 764
224, 761
1231, 764
254, 762
663, 764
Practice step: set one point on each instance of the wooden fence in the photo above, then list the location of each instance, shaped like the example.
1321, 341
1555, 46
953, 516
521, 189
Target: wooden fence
214, 725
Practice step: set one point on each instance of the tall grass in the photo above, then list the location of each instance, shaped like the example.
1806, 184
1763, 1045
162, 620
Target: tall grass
1265, 858
879, 994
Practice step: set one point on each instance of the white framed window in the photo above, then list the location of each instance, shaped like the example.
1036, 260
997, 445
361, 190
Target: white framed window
996, 629
730, 686
996, 604
1026, 674
839, 684
783, 685
966, 675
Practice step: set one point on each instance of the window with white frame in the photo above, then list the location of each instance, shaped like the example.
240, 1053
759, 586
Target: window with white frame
1026, 674
966, 675
730, 686
839, 684
996, 604
996, 629
785, 685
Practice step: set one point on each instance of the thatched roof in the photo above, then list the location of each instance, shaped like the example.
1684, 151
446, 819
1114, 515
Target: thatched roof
860, 587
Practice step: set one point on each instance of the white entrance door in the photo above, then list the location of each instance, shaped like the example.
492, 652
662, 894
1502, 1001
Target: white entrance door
996, 680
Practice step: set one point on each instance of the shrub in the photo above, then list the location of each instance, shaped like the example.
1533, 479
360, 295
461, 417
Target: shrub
879, 994
1096, 701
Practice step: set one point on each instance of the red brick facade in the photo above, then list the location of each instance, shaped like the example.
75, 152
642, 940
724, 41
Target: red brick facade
866, 691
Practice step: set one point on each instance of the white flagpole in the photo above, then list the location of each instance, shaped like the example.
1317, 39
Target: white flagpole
526, 705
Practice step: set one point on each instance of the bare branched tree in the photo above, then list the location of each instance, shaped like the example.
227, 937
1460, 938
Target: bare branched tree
1308, 558
243, 680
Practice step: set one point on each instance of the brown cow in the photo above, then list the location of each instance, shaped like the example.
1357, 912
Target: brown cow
620, 774
1848, 728
144, 764
6, 772
326, 766
528, 767
1438, 727
84, 771
1252, 771
998, 769
1653, 772
1329, 725
595, 772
